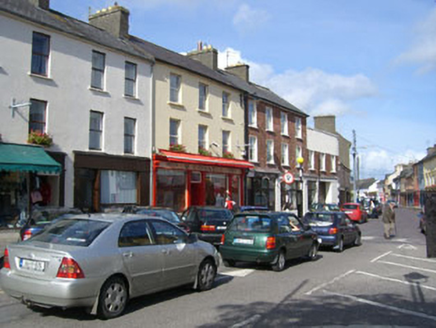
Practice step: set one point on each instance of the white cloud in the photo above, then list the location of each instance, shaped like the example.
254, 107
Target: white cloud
423, 51
248, 19
312, 90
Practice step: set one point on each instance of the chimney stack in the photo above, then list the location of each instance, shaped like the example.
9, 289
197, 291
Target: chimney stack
43, 4
325, 123
206, 55
240, 70
431, 150
114, 20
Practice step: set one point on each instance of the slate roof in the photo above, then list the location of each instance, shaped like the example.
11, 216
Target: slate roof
137, 47
365, 183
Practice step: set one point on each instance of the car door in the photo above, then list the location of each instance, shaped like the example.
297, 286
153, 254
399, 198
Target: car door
351, 230
179, 256
345, 228
304, 238
190, 218
141, 256
285, 236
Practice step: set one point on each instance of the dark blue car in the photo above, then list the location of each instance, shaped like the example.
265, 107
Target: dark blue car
335, 229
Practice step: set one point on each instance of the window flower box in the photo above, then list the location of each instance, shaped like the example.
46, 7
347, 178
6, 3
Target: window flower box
40, 138
204, 152
228, 154
179, 148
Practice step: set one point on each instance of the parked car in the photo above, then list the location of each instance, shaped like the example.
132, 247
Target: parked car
355, 212
208, 222
335, 229
43, 217
100, 261
324, 207
253, 208
267, 238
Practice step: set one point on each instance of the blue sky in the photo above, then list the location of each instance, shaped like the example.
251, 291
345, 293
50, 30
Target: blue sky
371, 63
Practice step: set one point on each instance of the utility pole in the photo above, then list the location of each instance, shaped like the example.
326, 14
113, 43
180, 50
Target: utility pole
354, 167
430, 221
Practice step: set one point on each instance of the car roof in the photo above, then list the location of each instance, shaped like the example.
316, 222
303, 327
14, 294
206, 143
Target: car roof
112, 217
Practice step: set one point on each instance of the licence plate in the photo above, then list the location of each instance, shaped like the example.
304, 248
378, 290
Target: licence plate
221, 228
349, 212
243, 241
31, 265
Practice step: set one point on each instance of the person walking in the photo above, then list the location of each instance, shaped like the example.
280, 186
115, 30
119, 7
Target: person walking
389, 220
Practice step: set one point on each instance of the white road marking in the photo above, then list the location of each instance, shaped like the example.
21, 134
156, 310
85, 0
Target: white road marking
407, 246
408, 266
238, 273
330, 282
392, 308
396, 280
253, 319
414, 258
381, 256
368, 238
401, 240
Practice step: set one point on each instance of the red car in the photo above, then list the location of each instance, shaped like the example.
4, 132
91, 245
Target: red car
355, 211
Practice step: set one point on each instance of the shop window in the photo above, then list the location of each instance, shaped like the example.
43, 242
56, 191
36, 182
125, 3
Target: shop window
171, 186
118, 187
216, 187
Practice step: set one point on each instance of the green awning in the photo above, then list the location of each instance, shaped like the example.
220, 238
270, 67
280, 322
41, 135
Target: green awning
26, 158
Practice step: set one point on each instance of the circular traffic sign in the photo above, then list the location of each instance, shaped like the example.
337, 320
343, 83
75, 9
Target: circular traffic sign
288, 177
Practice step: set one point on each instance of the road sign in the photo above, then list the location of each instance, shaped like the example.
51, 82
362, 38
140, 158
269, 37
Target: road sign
288, 178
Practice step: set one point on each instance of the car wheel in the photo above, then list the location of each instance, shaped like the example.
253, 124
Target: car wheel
313, 252
113, 298
358, 240
206, 275
229, 263
340, 245
280, 263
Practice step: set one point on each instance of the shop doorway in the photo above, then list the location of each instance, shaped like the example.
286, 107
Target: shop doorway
197, 189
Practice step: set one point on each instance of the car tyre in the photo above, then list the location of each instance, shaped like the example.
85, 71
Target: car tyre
358, 240
280, 263
206, 275
313, 252
340, 245
113, 298
229, 263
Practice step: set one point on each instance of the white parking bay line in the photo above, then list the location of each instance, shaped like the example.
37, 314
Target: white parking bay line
408, 266
384, 306
238, 273
330, 282
414, 258
381, 256
411, 283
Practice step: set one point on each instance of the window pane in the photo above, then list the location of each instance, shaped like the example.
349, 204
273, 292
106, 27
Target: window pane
226, 137
202, 89
98, 60
171, 189
118, 187
40, 44
97, 79
134, 234
129, 135
225, 97
37, 116
40, 53
174, 87
174, 132
130, 71
202, 135
95, 130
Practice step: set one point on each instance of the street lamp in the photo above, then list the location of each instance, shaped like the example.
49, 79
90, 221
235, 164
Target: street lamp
300, 161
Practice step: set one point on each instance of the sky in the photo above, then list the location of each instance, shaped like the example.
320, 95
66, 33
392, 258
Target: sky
370, 63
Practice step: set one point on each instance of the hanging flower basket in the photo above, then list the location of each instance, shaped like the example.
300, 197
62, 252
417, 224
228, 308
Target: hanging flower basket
40, 138
228, 154
204, 152
179, 148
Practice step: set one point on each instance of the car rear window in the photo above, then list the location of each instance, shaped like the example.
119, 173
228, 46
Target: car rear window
72, 232
322, 217
212, 214
350, 207
164, 214
251, 224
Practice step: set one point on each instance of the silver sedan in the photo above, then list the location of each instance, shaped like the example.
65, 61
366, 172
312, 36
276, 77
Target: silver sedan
101, 261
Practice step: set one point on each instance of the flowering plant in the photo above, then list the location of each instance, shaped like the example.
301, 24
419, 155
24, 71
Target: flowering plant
204, 151
40, 138
179, 148
228, 154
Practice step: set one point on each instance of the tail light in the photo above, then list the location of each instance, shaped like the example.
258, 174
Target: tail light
271, 243
27, 234
207, 228
70, 269
333, 231
6, 263
223, 239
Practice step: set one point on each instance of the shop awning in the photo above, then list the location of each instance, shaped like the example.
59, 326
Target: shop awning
26, 158
171, 156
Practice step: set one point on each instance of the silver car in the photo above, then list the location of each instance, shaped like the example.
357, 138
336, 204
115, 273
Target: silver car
100, 261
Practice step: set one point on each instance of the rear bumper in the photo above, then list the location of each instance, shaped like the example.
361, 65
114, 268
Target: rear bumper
55, 293
212, 238
328, 240
246, 255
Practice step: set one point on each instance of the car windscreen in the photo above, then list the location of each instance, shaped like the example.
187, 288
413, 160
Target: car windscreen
214, 214
321, 217
46, 218
164, 214
350, 207
251, 224
73, 232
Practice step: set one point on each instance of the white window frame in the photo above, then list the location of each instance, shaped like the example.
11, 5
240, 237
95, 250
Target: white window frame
333, 160
298, 128
203, 92
322, 162
284, 128
177, 136
298, 153
129, 136
252, 114
226, 143
225, 97
252, 153
311, 160
269, 119
130, 81
97, 131
285, 154
203, 143
175, 87
98, 73
270, 151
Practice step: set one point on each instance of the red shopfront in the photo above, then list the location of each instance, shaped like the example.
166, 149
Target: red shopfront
181, 180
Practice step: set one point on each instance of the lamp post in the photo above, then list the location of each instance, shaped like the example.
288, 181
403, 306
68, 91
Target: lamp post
300, 161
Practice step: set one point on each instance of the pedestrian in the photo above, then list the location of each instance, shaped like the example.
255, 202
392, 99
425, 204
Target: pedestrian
229, 202
389, 220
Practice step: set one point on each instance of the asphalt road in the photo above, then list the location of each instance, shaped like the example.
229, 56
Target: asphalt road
383, 283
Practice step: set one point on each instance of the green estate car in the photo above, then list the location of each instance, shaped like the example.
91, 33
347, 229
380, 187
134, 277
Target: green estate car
268, 238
